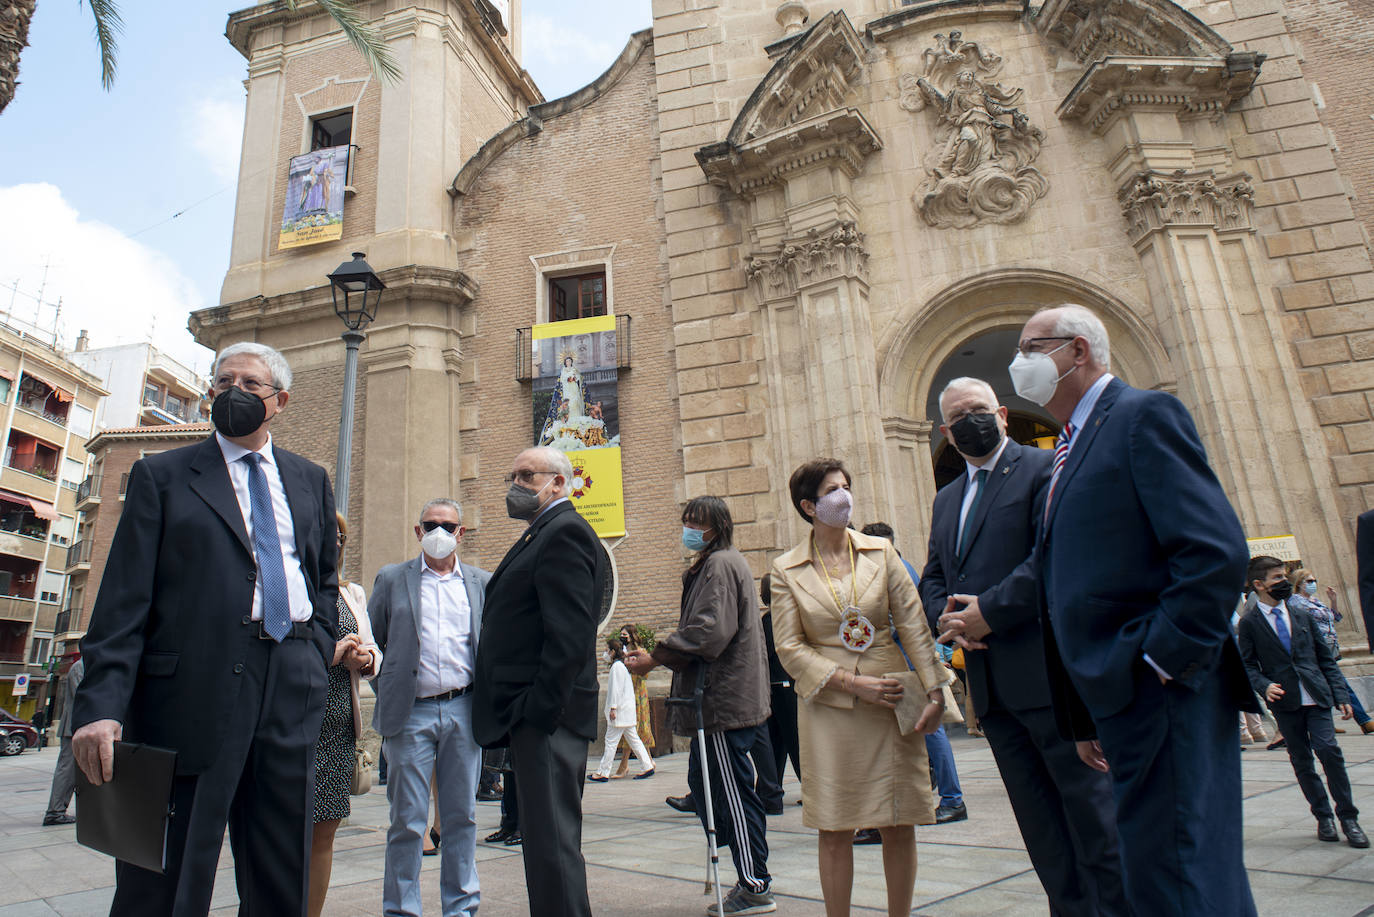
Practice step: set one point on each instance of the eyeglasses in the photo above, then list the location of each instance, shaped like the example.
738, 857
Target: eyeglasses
250, 385
1312, 580
430, 525
1028, 346
524, 477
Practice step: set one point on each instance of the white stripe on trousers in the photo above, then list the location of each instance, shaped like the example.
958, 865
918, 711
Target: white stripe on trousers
730, 788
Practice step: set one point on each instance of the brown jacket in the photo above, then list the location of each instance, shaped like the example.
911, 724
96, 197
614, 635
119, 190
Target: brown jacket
720, 624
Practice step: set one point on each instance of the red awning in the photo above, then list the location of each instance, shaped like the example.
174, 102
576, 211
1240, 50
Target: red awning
43, 510
6, 374
62, 394
10, 497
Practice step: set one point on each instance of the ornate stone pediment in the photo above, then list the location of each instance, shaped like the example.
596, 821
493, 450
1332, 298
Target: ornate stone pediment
819, 257
1094, 29
816, 75
1154, 201
1187, 85
842, 138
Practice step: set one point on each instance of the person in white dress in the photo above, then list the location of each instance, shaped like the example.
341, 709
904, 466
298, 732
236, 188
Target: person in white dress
620, 716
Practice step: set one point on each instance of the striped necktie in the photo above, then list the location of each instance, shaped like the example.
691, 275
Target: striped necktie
1061, 455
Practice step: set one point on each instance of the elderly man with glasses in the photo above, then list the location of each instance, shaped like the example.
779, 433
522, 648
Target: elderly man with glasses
426, 614
536, 673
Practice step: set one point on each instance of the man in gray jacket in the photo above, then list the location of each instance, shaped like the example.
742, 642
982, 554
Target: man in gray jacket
426, 615
719, 637
64, 774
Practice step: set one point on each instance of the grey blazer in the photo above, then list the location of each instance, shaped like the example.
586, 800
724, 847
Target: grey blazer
391, 608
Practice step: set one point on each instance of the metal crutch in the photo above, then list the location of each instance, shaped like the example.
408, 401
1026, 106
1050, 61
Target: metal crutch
712, 855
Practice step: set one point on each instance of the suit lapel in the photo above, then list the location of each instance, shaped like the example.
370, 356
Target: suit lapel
1000, 472
413, 573
212, 485
866, 569
809, 578
475, 596
528, 536
951, 533
298, 497
1083, 441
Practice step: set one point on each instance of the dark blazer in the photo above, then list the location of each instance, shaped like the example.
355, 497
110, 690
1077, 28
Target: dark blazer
168, 632
997, 566
1364, 557
1311, 661
391, 610
1141, 553
536, 659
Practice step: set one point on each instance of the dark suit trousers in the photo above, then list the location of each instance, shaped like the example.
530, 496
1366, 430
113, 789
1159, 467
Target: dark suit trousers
1064, 810
550, 771
1311, 729
262, 785
1175, 769
782, 730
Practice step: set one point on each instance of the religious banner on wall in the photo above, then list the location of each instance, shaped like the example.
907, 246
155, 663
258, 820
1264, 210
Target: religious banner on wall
313, 210
577, 411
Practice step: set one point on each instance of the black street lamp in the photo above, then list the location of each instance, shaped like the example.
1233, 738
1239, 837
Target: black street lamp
356, 289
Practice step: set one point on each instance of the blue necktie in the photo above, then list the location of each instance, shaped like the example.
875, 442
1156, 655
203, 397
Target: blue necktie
276, 605
980, 482
1281, 629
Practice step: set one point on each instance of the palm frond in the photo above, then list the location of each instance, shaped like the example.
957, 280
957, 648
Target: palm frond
361, 34
108, 25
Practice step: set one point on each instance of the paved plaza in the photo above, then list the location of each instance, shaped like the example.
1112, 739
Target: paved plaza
645, 859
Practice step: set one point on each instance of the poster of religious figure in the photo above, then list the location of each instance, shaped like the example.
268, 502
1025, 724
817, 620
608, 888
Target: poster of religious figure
577, 411
313, 210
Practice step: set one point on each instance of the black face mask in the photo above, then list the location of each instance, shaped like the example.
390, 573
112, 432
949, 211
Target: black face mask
236, 413
1281, 591
976, 435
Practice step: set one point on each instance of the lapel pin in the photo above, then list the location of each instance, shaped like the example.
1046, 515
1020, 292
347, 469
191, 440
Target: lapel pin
1007, 470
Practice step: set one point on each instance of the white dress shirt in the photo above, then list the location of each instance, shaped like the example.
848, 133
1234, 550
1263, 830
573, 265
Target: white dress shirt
1268, 611
445, 627
989, 465
297, 591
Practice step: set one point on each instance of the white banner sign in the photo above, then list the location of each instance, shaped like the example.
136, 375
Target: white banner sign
1284, 547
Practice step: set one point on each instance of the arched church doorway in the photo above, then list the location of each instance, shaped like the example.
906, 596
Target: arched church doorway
986, 356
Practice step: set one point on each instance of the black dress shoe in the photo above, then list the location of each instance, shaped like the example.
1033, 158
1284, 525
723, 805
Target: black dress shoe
867, 836
63, 819
497, 836
681, 804
515, 839
946, 814
1326, 830
488, 796
1353, 835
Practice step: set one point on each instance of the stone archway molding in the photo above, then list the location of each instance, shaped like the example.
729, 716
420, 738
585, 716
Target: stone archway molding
910, 354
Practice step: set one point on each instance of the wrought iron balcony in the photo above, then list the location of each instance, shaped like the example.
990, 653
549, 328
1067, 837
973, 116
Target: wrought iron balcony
524, 349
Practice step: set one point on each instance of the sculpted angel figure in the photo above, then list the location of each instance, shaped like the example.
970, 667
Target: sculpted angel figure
973, 110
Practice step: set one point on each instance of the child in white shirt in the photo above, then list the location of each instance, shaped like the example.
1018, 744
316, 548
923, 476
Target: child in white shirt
620, 716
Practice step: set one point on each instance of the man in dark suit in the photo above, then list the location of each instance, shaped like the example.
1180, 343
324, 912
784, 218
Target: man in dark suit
1141, 556
212, 636
979, 571
426, 614
1293, 669
536, 687
1364, 559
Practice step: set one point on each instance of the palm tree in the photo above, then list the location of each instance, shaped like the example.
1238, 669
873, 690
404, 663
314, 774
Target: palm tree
15, 16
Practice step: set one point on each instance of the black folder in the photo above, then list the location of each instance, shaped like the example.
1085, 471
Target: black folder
128, 817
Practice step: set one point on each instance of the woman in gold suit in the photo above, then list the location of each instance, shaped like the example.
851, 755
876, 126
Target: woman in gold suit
837, 599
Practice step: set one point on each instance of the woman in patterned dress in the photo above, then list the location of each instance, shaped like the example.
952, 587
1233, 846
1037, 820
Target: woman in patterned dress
1325, 614
629, 636
356, 654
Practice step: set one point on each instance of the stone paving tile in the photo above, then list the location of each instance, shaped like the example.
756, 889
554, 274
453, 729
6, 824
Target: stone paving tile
648, 861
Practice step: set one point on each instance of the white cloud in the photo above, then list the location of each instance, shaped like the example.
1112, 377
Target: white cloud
116, 288
563, 58
214, 129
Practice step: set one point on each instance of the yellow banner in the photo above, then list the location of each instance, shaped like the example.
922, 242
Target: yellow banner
598, 491
577, 411
1284, 547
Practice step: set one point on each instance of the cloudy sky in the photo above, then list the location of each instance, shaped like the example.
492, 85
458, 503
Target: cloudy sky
119, 205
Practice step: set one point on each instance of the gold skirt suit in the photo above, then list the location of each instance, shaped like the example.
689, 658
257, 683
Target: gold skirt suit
857, 770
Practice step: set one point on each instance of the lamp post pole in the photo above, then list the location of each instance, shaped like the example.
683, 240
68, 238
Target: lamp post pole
352, 340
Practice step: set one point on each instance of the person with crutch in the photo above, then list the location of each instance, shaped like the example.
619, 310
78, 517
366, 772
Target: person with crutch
720, 626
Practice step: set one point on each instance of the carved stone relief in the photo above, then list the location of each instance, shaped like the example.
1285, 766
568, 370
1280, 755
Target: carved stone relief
820, 257
1154, 201
979, 170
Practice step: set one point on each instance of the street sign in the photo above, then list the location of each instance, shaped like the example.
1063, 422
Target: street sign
21, 685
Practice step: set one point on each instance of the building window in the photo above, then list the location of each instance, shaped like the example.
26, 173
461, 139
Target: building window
331, 130
49, 597
152, 394
4, 391
578, 296
40, 649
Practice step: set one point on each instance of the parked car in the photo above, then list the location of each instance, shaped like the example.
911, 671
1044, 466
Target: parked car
16, 734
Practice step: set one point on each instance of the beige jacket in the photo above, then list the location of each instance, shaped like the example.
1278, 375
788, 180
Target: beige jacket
806, 621
356, 600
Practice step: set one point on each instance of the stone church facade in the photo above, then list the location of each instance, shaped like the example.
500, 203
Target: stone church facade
807, 217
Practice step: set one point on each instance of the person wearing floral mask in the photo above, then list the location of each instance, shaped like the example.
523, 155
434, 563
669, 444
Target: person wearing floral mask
1305, 589
838, 597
